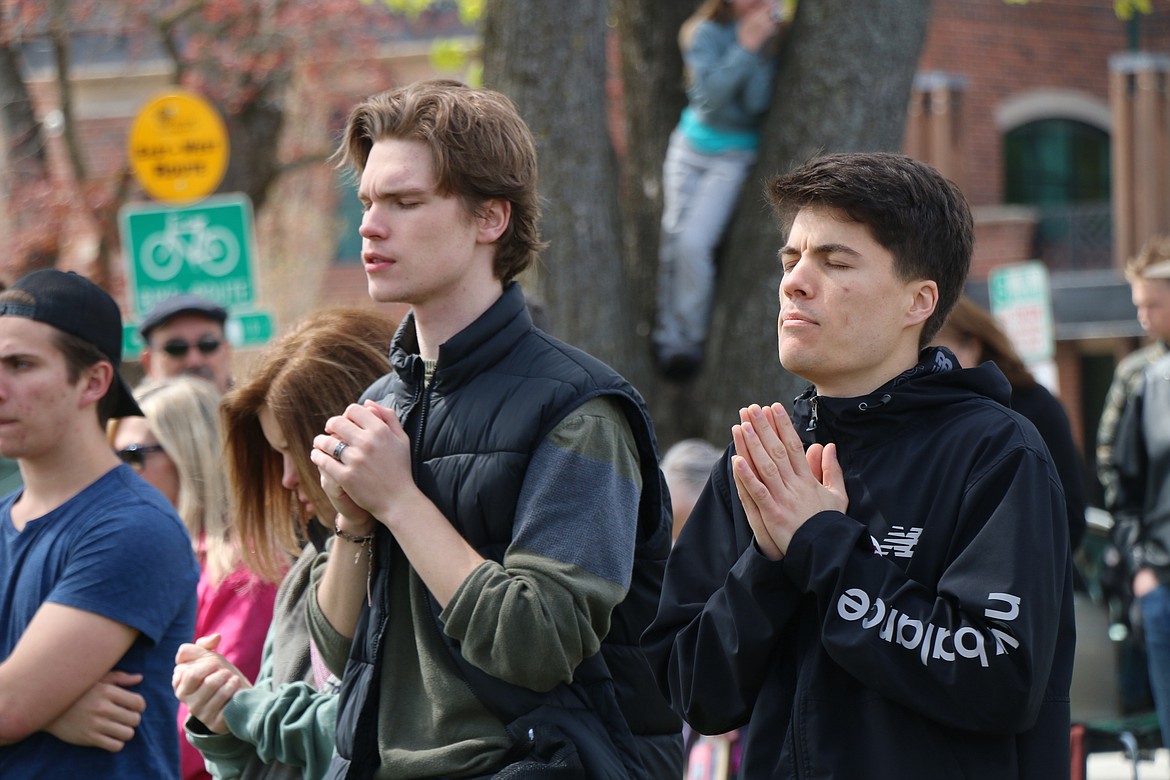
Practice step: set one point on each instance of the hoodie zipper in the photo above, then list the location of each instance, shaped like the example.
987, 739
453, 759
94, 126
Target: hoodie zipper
812, 416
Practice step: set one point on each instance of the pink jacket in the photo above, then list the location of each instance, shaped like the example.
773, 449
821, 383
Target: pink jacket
239, 609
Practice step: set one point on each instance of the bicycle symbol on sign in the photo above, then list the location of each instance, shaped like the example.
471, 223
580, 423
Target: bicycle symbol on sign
211, 248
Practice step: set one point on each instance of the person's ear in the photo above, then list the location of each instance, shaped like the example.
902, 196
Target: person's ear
96, 380
145, 359
923, 301
493, 219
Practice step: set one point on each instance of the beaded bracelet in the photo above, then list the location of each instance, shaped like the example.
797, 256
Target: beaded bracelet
367, 543
347, 536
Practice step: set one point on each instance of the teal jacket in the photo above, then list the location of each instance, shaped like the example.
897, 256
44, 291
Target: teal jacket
283, 727
729, 88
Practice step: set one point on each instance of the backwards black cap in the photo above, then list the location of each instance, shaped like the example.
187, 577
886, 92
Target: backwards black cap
73, 304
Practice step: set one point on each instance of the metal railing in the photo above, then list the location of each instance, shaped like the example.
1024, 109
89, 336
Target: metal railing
1075, 237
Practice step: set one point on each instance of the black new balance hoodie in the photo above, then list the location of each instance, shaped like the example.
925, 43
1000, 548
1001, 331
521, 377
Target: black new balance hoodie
927, 632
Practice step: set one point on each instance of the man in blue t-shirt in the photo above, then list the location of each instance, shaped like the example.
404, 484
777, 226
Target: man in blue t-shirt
97, 575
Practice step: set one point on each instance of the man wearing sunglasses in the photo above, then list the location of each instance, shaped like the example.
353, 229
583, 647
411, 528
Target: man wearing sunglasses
184, 334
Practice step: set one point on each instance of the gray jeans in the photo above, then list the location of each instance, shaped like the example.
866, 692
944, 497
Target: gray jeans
699, 196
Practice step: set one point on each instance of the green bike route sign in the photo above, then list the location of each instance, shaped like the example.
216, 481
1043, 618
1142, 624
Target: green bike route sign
251, 329
205, 249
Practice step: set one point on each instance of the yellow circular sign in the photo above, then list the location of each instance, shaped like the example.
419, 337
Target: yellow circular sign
178, 147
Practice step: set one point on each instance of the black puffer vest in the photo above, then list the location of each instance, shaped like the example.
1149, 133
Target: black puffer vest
499, 388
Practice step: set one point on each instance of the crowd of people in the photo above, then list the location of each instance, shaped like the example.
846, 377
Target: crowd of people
447, 546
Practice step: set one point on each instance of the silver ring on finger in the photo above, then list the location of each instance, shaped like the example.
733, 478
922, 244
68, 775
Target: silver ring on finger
340, 448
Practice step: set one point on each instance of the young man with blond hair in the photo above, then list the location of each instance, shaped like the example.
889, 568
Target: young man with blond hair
1135, 470
1148, 274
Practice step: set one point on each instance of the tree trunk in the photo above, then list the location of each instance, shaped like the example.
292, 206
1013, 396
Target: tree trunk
25, 185
253, 133
549, 57
844, 82
654, 95
60, 37
24, 153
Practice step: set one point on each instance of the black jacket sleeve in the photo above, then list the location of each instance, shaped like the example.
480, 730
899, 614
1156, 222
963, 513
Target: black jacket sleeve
974, 648
723, 610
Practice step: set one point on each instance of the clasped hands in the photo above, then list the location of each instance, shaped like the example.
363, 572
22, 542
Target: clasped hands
374, 469
780, 484
206, 681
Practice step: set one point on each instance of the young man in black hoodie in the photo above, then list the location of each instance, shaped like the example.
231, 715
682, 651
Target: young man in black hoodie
878, 585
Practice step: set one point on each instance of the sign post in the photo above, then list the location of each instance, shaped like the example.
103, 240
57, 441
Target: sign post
205, 249
178, 151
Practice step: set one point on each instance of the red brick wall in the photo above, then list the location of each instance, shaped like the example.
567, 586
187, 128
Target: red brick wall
1068, 370
1006, 50
1002, 235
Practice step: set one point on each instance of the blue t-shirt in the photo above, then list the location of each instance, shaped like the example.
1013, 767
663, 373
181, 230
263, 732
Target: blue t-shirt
116, 549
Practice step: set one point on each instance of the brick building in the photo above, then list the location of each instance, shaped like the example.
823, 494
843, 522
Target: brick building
1049, 115
1028, 107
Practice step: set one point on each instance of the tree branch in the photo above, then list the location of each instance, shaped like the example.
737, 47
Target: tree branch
59, 35
165, 24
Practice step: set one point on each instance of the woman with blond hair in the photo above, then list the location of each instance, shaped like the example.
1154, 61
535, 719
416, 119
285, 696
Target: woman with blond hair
284, 725
176, 448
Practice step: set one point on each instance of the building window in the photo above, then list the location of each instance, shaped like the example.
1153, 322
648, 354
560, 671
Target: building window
1061, 167
1056, 161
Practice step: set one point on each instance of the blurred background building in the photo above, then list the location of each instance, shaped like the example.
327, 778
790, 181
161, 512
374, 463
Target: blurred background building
1052, 117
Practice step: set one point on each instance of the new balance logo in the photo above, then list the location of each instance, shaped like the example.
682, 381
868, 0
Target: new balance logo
899, 542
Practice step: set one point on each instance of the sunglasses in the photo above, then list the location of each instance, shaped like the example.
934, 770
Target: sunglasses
179, 348
134, 455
